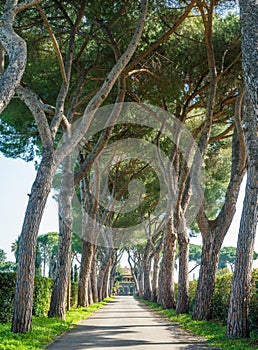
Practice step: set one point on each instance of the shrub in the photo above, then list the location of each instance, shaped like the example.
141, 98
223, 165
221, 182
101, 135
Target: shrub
221, 297
42, 294
7, 289
253, 304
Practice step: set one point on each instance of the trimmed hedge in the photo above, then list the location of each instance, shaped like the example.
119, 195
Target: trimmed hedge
7, 289
221, 297
41, 299
42, 294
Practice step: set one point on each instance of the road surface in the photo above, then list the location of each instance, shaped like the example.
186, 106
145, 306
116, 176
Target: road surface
125, 323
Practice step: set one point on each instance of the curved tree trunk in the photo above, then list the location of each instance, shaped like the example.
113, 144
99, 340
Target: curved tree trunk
214, 231
166, 295
63, 271
23, 300
237, 325
183, 282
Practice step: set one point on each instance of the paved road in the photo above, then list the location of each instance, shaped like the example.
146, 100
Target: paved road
126, 324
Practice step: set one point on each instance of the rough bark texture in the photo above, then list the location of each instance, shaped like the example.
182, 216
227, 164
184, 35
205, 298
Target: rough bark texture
86, 260
183, 283
59, 293
23, 300
146, 273
16, 49
104, 270
94, 284
166, 297
237, 325
154, 289
207, 275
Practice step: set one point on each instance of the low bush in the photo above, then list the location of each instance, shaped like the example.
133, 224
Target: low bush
42, 294
41, 299
221, 297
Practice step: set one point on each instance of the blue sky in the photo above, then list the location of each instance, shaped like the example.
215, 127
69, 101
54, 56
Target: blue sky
16, 178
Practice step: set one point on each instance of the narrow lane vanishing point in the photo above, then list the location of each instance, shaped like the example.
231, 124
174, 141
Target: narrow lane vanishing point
125, 323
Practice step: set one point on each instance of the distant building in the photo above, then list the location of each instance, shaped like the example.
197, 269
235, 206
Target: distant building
126, 285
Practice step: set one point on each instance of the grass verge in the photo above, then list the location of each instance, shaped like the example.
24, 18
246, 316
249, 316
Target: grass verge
44, 329
213, 331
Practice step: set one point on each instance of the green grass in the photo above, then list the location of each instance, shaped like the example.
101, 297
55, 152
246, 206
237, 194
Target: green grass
213, 331
44, 329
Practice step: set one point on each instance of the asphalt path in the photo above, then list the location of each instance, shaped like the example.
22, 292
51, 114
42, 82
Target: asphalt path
125, 323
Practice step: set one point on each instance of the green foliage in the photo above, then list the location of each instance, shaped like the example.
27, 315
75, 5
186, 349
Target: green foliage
42, 295
221, 297
44, 329
2, 256
8, 266
7, 290
195, 253
253, 304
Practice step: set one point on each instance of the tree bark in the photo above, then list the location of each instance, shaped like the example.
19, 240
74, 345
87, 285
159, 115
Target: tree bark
146, 273
103, 271
86, 260
23, 300
94, 284
207, 275
154, 289
59, 293
16, 49
183, 282
237, 325
166, 295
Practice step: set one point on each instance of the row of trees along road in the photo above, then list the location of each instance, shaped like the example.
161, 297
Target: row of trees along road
184, 57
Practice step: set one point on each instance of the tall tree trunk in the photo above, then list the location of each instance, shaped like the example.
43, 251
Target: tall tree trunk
90, 296
207, 276
23, 300
86, 260
106, 279
183, 282
166, 295
133, 274
154, 289
237, 325
94, 284
59, 293
140, 281
102, 273
146, 273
